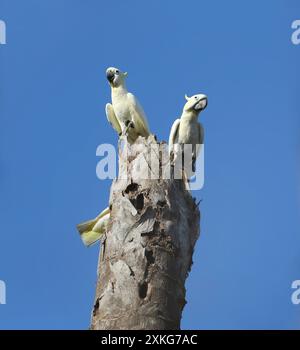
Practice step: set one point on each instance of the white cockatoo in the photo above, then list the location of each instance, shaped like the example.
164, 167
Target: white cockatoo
125, 114
188, 131
91, 231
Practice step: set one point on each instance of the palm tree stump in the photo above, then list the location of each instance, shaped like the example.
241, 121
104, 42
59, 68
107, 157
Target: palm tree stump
147, 252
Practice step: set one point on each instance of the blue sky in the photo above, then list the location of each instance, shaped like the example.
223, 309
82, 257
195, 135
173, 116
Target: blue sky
52, 96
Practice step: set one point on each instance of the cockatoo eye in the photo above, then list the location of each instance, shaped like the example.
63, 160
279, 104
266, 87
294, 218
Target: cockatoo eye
117, 72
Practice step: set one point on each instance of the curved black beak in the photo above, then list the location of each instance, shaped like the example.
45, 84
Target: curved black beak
110, 76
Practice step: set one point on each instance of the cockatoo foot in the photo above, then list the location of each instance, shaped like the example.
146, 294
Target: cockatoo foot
129, 124
194, 165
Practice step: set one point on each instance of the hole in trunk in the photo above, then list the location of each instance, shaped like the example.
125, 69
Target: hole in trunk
149, 256
96, 307
138, 202
132, 188
143, 288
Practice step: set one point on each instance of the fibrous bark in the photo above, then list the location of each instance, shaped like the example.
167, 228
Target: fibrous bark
147, 253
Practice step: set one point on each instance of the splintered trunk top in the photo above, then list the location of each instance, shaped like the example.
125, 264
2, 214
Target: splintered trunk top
147, 253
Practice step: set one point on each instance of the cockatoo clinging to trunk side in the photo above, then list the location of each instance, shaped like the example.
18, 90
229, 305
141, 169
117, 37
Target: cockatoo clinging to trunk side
187, 130
125, 114
91, 231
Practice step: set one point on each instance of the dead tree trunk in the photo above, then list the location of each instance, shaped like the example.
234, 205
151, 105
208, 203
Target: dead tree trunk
147, 253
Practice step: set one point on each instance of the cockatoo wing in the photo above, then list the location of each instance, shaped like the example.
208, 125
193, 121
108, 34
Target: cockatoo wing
173, 135
92, 230
138, 116
112, 119
200, 138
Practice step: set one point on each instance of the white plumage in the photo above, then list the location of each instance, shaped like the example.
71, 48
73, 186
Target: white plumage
125, 114
188, 131
93, 230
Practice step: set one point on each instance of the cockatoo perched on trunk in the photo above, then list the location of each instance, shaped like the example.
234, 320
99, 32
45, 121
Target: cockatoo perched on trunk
187, 130
91, 231
125, 113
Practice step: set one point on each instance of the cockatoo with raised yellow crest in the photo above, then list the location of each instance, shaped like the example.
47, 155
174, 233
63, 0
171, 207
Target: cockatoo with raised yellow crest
93, 230
125, 114
187, 130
